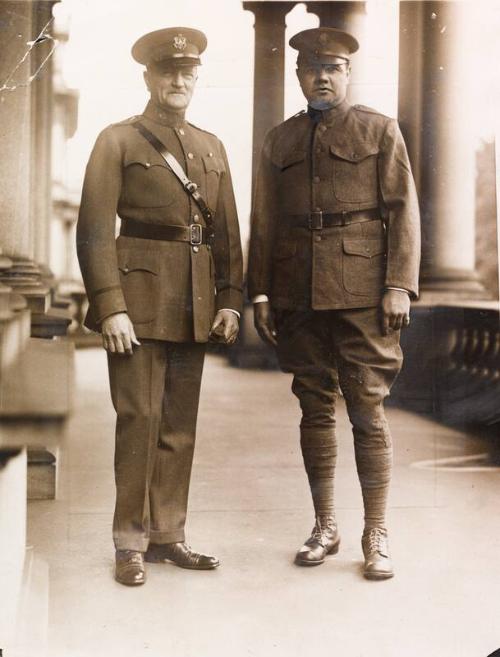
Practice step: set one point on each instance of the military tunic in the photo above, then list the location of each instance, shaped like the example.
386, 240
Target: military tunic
349, 159
170, 290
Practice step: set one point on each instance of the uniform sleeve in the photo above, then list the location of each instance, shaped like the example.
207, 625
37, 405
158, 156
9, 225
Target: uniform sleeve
227, 245
95, 234
263, 224
403, 221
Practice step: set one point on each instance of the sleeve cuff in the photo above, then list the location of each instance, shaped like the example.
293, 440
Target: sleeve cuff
399, 289
260, 298
230, 299
107, 302
232, 310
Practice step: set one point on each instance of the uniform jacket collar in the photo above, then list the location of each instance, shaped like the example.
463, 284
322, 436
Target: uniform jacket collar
163, 116
328, 116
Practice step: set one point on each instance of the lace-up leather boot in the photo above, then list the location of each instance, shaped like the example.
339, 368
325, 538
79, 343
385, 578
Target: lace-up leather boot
324, 540
378, 563
130, 567
181, 554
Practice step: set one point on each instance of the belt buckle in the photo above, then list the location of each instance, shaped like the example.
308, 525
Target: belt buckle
196, 237
315, 221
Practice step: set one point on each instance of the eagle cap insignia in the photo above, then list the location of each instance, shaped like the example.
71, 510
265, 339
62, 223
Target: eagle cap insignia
180, 42
323, 38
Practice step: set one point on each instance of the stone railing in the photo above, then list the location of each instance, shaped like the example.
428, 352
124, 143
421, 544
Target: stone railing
452, 364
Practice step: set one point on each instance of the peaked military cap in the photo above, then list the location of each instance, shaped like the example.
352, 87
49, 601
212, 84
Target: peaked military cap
324, 44
180, 46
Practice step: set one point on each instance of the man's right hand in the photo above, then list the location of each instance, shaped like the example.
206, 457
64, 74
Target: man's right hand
264, 322
118, 334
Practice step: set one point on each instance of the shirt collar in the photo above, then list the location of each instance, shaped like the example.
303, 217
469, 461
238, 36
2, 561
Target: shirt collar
163, 116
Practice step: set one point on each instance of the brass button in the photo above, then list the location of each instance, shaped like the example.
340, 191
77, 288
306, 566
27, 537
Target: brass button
316, 179
147, 165
210, 155
196, 249
317, 238
196, 217
181, 131
190, 156
126, 269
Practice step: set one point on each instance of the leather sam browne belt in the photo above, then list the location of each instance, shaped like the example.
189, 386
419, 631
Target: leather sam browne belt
194, 234
318, 220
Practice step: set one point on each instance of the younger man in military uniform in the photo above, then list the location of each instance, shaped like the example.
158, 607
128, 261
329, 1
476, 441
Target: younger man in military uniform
170, 281
333, 262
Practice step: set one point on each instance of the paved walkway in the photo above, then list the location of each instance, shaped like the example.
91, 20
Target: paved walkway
250, 505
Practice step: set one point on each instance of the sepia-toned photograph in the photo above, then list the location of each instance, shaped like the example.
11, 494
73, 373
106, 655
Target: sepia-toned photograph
249, 328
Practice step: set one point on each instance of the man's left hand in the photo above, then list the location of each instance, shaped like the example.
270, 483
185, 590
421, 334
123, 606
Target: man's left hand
395, 310
225, 327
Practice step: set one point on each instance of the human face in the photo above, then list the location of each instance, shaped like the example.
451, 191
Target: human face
171, 87
324, 85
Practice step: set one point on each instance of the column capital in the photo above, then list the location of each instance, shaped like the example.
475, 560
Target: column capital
267, 8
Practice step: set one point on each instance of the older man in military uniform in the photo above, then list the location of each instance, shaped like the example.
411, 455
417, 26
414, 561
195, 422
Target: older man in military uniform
170, 281
334, 259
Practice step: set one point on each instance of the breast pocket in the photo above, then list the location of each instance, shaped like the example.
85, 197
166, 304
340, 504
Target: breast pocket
214, 168
147, 184
355, 177
139, 277
363, 266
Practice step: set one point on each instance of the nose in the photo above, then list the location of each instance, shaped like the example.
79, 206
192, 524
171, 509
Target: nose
321, 75
178, 80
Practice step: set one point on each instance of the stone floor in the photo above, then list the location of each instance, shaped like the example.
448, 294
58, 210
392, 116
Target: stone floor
250, 505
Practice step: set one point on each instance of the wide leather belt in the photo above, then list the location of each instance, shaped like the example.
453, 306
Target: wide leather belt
194, 234
319, 220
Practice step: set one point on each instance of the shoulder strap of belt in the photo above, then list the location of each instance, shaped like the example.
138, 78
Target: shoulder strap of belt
190, 187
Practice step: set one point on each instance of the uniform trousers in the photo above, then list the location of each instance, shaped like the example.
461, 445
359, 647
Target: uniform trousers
332, 350
155, 393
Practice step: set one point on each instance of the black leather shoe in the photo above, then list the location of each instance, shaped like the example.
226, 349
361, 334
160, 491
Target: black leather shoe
378, 563
130, 568
181, 554
324, 540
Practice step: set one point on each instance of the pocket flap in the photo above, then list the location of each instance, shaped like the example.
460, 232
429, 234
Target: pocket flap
354, 152
364, 247
294, 157
130, 261
285, 250
213, 163
145, 163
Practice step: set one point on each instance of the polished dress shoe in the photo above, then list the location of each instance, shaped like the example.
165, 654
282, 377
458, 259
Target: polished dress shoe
324, 540
180, 554
130, 568
378, 564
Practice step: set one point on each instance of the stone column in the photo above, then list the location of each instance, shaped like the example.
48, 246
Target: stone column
350, 17
23, 164
436, 116
41, 128
269, 71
